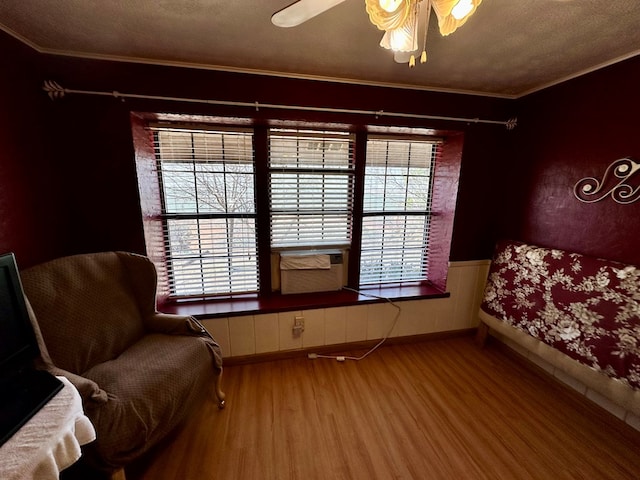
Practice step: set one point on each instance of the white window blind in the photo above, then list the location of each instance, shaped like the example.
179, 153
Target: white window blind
311, 188
208, 207
396, 210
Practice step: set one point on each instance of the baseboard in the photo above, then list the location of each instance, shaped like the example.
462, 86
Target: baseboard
342, 348
584, 393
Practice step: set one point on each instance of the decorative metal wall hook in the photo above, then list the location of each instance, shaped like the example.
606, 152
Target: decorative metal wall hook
614, 183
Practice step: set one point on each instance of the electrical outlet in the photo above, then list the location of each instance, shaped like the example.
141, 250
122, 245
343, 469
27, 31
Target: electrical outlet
298, 326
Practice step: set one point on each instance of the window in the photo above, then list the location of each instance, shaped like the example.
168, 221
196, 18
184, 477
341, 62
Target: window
220, 203
311, 188
208, 210
396, 210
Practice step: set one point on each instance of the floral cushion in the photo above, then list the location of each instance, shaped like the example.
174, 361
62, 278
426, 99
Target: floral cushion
588, 308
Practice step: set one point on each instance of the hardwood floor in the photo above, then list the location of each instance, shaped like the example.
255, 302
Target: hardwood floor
442, 409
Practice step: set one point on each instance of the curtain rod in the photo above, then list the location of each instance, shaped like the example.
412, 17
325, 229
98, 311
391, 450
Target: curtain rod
55, 91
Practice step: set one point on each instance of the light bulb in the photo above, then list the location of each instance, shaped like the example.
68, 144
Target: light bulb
462, 9
389, 5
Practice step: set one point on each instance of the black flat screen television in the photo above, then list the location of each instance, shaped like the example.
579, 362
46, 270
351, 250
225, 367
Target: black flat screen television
18, 344
23, 389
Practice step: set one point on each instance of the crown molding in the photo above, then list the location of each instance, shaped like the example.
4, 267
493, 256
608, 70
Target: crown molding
248, 71
579, 74
301, 76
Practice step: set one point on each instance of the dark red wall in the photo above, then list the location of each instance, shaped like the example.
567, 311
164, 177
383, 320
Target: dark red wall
87, 146
67, 170
33, 217
569, 132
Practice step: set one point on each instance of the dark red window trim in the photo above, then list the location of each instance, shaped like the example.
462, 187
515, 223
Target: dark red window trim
253, 304
443, 208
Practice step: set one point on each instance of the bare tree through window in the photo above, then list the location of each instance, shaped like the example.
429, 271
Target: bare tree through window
209, 206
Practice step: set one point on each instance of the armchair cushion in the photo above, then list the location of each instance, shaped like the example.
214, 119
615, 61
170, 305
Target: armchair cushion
147, 397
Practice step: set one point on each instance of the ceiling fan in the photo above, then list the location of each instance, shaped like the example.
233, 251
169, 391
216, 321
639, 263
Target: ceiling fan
403, 21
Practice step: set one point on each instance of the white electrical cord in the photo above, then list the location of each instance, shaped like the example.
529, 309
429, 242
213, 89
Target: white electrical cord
342, 358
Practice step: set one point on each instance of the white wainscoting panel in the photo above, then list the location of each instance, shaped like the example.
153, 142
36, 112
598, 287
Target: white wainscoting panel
272, 332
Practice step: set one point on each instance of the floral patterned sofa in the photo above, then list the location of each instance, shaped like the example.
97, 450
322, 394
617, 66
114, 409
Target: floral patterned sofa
580, 314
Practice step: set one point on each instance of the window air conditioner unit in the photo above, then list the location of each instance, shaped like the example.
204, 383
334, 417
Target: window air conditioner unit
305, 271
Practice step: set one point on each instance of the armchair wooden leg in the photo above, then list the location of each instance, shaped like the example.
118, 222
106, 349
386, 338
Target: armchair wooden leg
482, 334
220, 395
118, 475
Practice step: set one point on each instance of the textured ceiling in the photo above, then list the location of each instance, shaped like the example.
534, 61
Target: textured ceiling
508, 48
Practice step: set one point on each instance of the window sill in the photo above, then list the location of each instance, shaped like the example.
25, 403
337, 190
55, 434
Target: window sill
253, 304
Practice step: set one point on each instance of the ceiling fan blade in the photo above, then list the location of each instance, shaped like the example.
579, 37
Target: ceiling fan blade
301, 11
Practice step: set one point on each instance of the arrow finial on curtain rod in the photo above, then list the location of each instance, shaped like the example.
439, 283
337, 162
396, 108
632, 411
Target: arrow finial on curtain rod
53, 89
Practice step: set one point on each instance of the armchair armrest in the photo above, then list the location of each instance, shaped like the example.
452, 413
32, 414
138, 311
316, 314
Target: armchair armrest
89, 391
173, 324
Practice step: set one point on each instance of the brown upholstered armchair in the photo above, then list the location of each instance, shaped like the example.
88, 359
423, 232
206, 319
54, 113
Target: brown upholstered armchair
139, 372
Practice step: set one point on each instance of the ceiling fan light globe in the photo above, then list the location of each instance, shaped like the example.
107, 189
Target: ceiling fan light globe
399, 44
403, 38
385, 20
390, 5
462, 9
452, 14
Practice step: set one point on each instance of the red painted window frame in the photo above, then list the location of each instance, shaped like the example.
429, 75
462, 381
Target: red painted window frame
445, 187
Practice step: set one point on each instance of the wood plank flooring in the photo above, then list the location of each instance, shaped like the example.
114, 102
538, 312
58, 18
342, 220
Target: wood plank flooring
442, 409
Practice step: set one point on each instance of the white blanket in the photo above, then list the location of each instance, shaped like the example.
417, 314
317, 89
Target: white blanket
50, 441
